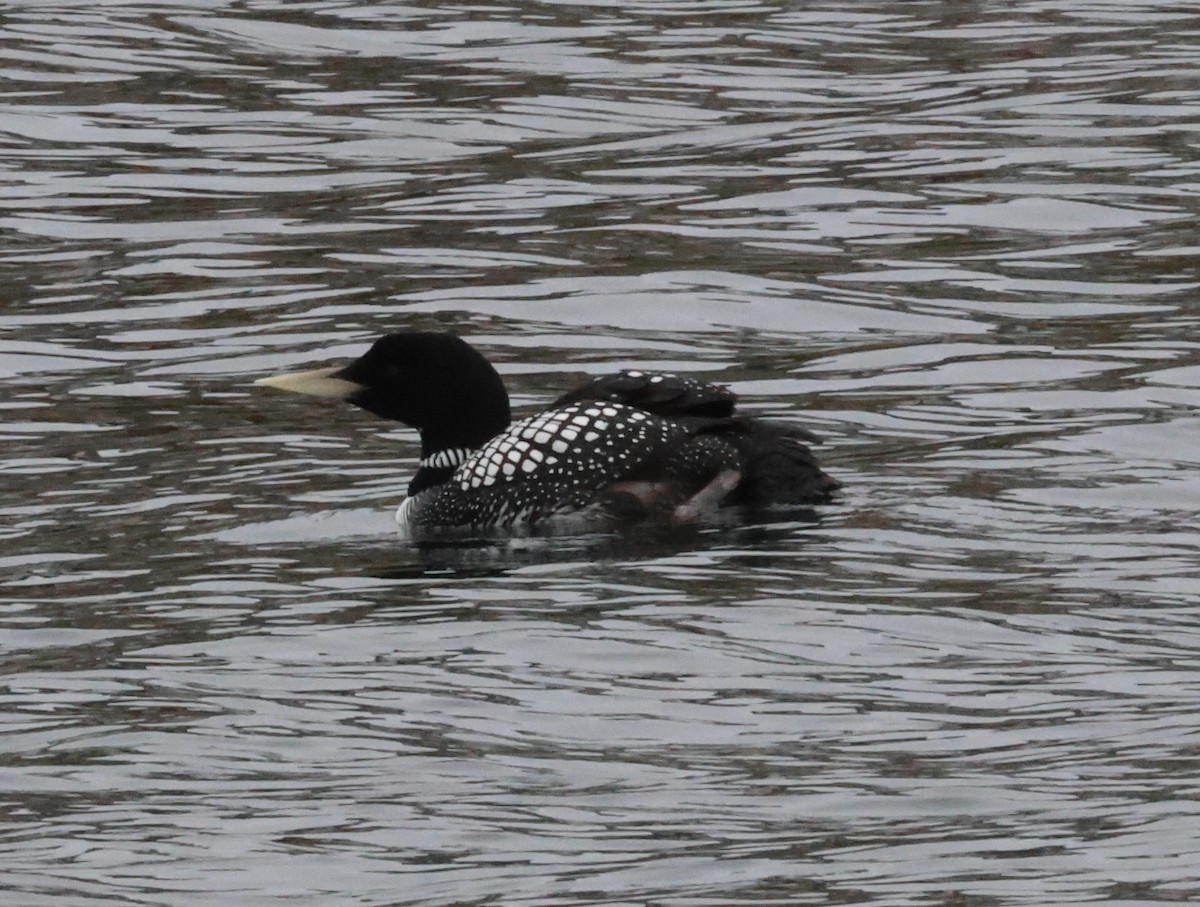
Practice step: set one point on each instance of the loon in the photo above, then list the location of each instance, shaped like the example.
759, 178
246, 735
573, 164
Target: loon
630, 446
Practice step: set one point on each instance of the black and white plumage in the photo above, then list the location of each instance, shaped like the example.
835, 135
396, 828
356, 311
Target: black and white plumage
631, 445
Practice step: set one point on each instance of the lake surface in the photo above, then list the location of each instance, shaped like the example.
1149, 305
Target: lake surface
955, 239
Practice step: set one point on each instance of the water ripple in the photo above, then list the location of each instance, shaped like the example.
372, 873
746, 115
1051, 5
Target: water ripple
955, 240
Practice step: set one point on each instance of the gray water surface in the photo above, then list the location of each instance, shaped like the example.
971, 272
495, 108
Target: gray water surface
957, 240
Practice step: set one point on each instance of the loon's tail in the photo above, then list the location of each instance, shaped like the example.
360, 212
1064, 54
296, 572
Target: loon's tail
778, 468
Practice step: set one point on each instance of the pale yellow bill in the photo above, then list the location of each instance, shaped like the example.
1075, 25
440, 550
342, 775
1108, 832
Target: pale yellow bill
320, 382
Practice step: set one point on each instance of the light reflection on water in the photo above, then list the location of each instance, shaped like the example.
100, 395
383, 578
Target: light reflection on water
955, 240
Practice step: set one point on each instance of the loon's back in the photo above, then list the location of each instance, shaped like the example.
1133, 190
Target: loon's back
777, 466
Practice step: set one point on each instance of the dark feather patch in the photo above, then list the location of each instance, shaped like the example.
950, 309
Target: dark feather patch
660, 393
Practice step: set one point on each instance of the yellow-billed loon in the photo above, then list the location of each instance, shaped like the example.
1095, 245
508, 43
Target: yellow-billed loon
632, 445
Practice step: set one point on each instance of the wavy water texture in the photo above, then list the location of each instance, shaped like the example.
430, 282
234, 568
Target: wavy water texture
955, 239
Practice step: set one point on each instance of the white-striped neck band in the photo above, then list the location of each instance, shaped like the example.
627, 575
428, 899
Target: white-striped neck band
450, 458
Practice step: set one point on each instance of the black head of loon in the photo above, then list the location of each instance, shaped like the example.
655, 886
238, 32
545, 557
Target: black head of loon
436, 383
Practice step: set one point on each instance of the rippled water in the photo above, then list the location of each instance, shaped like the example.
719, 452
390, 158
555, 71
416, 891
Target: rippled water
957, 239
